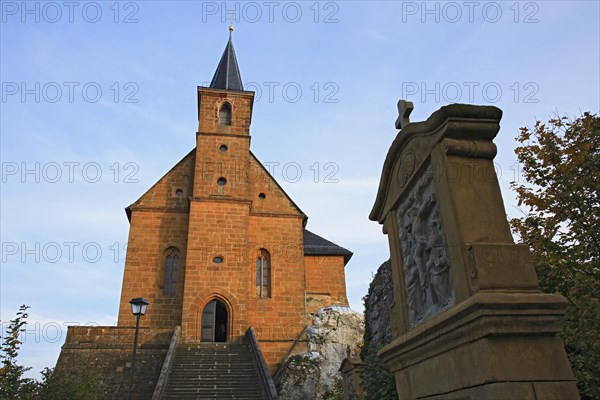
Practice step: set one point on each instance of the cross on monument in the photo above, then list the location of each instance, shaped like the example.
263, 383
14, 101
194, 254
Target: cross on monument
404, 110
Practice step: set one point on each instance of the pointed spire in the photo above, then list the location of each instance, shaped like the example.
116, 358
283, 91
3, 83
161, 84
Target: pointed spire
227, 75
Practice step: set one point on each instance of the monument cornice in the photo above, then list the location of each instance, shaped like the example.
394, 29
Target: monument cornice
466, 129
482, 315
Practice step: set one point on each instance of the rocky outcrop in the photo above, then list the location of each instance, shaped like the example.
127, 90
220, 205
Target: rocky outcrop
336, 333
377, 382
377, 307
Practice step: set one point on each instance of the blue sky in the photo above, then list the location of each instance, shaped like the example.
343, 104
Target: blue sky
99, 101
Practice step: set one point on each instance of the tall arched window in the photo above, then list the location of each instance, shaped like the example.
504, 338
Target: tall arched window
225, 114
263, 274
171, 264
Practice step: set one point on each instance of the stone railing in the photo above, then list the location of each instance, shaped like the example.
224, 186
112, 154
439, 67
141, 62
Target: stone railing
163, 378
279, 371
266, 383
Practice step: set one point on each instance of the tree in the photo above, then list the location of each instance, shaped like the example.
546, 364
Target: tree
12, 383
560, 162
83, 385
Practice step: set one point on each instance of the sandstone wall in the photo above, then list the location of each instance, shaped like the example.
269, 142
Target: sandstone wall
105, 352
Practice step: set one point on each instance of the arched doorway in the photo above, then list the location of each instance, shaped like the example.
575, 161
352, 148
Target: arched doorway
215, 322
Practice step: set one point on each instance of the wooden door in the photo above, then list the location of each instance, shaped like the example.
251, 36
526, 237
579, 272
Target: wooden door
208, 322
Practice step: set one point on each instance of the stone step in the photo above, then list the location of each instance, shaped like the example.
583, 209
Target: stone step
213, 395
204, 378
199, 360
213, 388
213, 366
213, 371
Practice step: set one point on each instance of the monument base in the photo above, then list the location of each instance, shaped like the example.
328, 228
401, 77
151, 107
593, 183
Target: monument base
493, 345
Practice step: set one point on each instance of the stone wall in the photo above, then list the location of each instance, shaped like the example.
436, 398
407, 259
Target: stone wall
105, 352
325, 282
158, 223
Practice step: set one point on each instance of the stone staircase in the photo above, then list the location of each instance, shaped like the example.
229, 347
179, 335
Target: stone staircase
213, 371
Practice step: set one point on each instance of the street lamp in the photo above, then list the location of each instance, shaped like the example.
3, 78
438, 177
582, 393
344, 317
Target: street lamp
138, 308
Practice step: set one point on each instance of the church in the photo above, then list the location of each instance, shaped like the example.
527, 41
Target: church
216, 246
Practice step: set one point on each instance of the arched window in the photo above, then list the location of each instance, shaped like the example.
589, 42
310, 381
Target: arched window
171, 264
225, 114
263, 274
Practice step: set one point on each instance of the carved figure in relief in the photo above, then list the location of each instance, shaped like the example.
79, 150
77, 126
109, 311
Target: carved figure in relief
427, 271
414, 287
415, 292
438, 264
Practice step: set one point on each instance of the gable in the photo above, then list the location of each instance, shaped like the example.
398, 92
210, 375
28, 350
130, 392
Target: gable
165, 193
275, 199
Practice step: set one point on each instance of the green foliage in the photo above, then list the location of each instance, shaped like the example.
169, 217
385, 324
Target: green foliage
561, 166
12, 383
377, 382
83, 386
14, 386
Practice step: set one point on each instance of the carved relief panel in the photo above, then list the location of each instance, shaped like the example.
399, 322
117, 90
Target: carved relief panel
426, 264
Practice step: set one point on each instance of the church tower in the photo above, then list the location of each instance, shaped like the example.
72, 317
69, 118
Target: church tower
230, 233
217, 246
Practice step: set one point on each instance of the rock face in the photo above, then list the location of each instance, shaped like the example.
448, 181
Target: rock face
377, 306
337, 332
377, 381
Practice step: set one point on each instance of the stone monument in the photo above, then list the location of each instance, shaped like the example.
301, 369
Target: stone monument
468, 318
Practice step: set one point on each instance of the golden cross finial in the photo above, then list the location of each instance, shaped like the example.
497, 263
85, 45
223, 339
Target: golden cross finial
231, 19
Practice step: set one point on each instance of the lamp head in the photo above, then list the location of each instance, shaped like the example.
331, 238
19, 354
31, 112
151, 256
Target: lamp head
139, 306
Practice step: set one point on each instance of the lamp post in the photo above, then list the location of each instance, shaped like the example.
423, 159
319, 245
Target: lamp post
138, 308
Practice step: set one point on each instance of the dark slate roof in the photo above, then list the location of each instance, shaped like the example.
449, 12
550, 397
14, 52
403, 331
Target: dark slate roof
227, 75
315, 245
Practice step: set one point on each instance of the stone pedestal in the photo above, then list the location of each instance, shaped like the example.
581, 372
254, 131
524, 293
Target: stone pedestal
468, 317
351, 370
